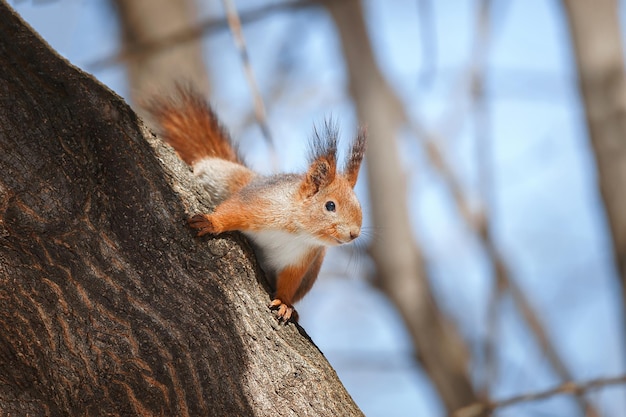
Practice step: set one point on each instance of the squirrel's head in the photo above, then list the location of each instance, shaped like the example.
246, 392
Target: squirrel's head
331, 206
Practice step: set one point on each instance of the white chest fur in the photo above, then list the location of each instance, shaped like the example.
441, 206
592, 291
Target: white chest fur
279, 249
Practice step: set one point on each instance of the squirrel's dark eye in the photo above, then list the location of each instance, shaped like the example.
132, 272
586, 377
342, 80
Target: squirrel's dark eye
330, 206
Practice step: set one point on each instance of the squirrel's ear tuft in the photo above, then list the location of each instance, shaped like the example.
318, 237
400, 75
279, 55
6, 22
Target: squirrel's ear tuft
320, 174
357, 152
323, 167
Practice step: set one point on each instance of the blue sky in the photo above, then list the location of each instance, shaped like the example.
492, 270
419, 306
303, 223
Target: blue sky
547, 213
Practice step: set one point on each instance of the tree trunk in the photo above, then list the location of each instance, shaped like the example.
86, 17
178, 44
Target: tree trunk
109, 304
154, 71
597, 41
440, 348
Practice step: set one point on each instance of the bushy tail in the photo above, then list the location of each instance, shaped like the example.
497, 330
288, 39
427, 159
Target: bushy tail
188, 123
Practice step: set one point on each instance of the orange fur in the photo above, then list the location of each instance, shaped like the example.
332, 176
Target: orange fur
290, 218
227, 217
310, 276
189, 124
289, 281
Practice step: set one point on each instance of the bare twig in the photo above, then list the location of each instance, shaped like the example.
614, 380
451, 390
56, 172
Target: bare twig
596, 33
486, 189
278, 87
428, 34
478, 221
259, 108
440, 347
484, 159
482, 129
189, 34
579, 389
501, 270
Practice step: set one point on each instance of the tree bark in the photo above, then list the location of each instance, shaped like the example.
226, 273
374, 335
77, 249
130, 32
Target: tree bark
597, 41
440, 348
109, 305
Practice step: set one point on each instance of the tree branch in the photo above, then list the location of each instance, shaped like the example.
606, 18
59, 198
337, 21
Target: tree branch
440, 348
190, 34
597, 40
234, 24
578, 389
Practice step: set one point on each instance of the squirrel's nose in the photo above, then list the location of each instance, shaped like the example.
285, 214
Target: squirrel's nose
354, 233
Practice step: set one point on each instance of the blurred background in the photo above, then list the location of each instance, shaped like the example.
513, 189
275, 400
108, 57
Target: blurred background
492, 266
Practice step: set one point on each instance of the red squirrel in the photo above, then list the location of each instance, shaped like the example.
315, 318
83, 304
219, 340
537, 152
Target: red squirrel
290, 218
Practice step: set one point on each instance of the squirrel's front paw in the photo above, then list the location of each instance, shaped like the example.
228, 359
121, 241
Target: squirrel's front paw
285, 312
202, 223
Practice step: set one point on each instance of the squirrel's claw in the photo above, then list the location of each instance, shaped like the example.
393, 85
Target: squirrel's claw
285, 312
202, 223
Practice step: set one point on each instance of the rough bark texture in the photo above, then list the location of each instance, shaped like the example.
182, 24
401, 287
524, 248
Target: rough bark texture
596, 34
440, 348
109, 305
